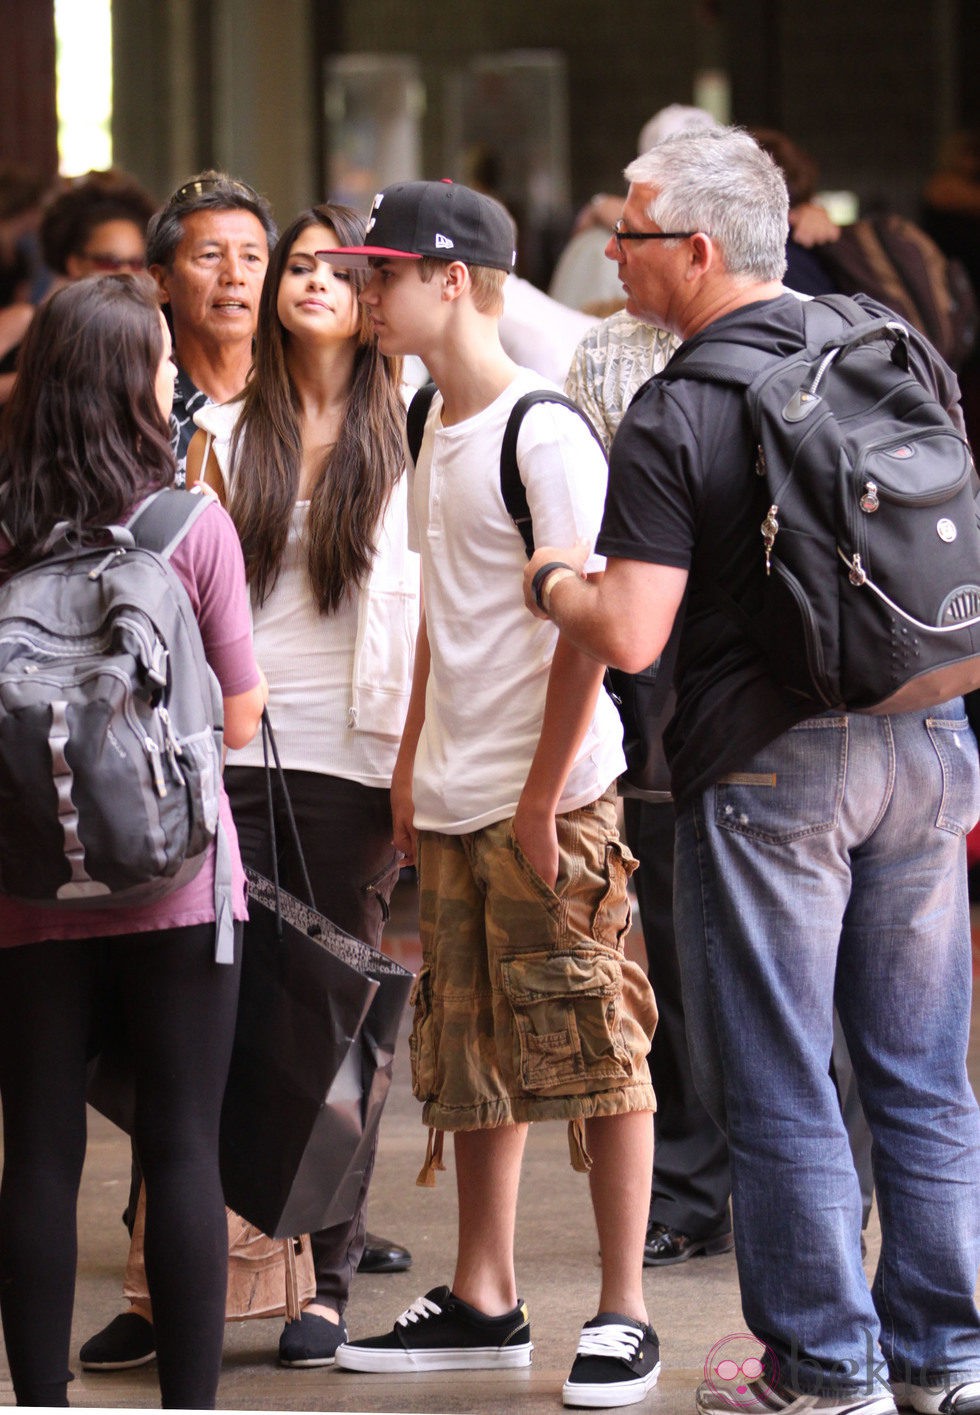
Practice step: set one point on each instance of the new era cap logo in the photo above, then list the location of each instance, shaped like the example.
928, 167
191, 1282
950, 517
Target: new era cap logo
443, 243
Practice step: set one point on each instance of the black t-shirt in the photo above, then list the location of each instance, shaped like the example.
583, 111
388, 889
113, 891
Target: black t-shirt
683, 492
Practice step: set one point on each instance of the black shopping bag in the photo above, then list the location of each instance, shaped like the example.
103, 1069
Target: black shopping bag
318, 1018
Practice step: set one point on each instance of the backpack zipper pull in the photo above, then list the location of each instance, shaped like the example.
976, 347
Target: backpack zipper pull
153, 754
96, 573
869, 501
770, 530
857, 573
172, 746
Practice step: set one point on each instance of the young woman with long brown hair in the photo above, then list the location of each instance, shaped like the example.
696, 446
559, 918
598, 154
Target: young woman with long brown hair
84, 440
310, 462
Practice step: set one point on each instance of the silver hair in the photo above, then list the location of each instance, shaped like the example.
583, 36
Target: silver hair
208, 191
720, 181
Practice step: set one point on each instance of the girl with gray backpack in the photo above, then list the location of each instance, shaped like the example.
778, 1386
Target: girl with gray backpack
131, 668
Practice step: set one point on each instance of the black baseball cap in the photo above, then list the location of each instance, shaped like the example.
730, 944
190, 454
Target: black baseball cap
410, 220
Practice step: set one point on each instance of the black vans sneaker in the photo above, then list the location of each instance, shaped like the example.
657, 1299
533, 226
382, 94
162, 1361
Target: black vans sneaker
617, 1362
441, 1333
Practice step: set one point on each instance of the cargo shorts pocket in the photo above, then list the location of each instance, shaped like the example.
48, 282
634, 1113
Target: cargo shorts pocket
611, 921
421, 1042
568, 1021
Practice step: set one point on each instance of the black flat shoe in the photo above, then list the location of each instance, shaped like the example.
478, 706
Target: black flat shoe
382, 1256
311, 1341
126, 1342
666, 1246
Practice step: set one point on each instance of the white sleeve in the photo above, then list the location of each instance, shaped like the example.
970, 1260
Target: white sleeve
564, 472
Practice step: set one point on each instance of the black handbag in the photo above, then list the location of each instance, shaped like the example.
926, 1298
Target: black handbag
318, 1018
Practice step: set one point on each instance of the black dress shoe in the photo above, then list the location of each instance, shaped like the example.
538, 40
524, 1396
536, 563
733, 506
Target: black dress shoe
666, 1246
382, 1256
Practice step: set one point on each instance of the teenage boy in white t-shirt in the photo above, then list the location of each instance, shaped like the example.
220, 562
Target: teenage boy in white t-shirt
525, 1006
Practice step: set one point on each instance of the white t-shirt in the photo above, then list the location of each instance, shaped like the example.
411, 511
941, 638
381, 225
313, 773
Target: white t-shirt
339, 683
490, 656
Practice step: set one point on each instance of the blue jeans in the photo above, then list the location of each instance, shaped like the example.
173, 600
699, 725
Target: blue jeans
831, 868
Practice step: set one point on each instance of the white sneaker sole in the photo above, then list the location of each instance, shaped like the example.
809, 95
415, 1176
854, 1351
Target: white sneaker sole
352, 1357
609, 1394
909, 1397
802, 1405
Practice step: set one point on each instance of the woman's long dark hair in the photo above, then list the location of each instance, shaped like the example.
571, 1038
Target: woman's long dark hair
83, 437
358, 473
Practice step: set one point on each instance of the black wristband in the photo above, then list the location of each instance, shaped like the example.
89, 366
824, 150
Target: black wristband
541, 575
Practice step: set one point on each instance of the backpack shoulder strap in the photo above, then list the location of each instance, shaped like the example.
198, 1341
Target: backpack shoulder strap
160, 524
717, 361
841, 307
164, 519
418, 411
511, 486
737, 365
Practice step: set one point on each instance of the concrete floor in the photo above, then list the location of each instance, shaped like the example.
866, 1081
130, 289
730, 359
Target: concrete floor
693, 1306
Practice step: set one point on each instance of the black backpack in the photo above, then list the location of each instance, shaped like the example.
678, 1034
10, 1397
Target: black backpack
110, 723
871, 543
644, 700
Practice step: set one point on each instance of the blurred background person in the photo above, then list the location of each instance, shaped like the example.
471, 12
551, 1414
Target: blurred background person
96, 227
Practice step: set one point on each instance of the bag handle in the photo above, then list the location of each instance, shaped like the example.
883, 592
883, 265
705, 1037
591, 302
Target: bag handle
269, 742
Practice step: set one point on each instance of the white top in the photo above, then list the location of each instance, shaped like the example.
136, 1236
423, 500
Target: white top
490, 657
338, 683
611, 363
584, 277
538, 332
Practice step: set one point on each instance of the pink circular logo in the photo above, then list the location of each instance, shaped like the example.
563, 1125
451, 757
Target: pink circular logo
733, 1363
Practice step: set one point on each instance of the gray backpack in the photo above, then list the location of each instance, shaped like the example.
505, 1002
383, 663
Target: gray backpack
110, 724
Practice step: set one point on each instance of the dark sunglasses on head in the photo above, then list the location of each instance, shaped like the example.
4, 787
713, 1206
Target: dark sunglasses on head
200, 186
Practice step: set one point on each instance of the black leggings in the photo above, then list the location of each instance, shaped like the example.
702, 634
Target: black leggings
178, 1010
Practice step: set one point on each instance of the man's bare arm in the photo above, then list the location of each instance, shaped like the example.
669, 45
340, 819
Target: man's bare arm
623, 618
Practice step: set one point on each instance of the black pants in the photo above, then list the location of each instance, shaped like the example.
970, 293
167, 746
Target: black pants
345, 833
691, 1185
177, 1008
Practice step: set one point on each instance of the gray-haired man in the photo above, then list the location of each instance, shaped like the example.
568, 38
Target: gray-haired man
818, 859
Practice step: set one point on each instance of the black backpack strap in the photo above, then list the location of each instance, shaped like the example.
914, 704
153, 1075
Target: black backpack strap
717, 361
844, 306
165, 517
418, 411
511, 486
738, 365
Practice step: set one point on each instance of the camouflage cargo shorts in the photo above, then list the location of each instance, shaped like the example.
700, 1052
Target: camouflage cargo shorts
525, 1007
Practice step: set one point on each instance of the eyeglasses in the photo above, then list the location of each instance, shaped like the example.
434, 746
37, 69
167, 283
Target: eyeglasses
202, 185
112, 264
619, 235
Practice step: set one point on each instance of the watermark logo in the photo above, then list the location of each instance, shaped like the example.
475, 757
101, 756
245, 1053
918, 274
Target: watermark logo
733, 1363
738, 1361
